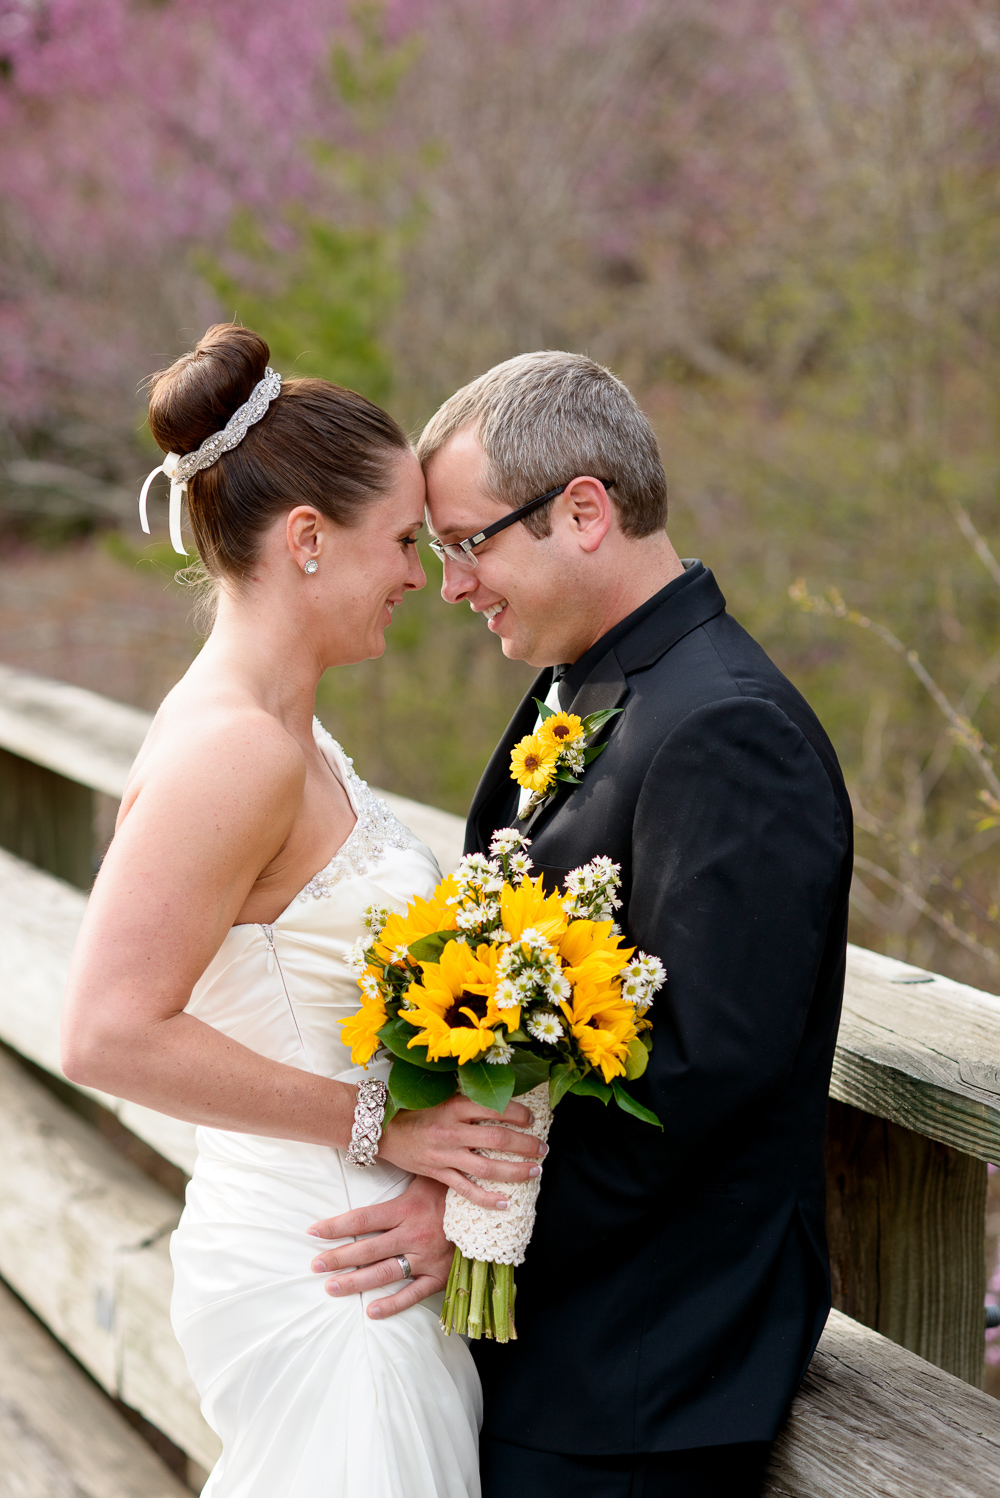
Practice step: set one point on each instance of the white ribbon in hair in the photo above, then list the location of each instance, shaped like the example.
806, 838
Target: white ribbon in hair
179, 469
169, 467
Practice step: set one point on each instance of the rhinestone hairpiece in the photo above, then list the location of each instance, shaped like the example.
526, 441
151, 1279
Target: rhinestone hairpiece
180, 469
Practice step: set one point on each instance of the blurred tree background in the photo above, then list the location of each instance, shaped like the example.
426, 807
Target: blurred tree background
778, 222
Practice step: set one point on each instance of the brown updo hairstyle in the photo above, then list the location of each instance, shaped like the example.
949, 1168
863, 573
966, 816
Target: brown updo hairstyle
318, 444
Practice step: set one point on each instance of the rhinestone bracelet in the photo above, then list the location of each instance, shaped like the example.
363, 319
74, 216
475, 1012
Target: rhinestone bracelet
368, 1115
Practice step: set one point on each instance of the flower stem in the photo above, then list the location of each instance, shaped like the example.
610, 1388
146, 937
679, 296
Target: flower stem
500, 1303
449, 1308
477, 1297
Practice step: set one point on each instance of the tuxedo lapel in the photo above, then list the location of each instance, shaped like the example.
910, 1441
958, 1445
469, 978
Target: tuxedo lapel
496, 777
605, 688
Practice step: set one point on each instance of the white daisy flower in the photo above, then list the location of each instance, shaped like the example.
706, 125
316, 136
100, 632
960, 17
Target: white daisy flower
545, 1026
506, 839
369, 986
499, 1053
504, 996
355, 956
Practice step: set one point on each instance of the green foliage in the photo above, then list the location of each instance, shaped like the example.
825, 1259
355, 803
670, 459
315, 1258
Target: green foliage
429, 948
489, 1086
412, 1087
561, 1081
320, 306
321, 287
628, 1104
529, 1071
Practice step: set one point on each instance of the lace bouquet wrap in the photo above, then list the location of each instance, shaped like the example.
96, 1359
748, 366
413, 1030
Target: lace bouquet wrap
498, 990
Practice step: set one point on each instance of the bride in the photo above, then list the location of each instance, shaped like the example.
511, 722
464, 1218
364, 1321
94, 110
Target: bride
210, 980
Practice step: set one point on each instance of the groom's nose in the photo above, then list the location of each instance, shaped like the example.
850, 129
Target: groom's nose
457, 583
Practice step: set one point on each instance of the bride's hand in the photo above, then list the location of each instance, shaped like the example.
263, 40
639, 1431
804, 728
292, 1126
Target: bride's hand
442, 1143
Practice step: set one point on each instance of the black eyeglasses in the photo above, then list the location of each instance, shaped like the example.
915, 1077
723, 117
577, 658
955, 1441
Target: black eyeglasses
462, 551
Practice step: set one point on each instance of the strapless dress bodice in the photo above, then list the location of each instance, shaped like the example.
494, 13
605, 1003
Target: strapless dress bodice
283, 989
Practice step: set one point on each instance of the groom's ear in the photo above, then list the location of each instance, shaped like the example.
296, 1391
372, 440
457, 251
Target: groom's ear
586, 506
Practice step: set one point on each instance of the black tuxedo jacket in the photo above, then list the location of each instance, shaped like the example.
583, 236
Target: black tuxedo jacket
677, 1283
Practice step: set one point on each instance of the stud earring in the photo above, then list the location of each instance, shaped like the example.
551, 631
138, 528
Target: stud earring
311, 566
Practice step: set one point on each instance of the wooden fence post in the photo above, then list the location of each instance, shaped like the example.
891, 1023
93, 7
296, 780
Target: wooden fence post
906, 1222
46, 819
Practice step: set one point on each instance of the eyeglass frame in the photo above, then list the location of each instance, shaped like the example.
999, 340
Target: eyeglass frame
445, 550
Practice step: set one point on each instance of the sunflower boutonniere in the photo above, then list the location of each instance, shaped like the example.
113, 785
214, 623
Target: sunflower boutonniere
561, 748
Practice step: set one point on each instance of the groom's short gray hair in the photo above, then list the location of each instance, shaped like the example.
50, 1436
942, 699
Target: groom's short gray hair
546, 418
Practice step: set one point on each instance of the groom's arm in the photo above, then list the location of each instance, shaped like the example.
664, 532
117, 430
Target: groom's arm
738, 866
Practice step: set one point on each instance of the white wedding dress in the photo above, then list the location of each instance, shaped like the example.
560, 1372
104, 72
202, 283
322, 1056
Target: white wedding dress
311, 1398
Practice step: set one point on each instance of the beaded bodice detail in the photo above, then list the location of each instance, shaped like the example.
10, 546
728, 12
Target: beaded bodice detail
375, 830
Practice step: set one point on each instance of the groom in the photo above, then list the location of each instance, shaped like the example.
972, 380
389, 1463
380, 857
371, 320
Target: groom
677, 1281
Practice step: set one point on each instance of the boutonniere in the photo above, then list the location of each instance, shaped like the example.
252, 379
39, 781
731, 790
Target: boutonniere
560, 749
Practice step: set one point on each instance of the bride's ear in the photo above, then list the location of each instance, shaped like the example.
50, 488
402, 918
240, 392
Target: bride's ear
304, 528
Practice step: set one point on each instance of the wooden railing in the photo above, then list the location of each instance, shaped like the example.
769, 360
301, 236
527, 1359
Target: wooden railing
891, 1404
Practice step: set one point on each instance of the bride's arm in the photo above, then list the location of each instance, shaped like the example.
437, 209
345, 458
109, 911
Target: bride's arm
207, 819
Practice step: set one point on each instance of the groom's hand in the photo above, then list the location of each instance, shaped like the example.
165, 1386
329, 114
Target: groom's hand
409, 1225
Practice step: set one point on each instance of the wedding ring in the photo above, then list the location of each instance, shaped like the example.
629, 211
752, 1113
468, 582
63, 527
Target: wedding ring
404, 1265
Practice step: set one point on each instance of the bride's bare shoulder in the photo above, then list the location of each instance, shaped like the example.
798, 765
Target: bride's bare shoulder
217, 744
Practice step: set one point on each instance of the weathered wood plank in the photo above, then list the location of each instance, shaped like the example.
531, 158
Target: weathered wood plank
47, 819
70, 1209
79, 734
873, 1421
59, 1436
151, 1369
921, 1051
83, 1241
91, 740
906, 1222
39, 922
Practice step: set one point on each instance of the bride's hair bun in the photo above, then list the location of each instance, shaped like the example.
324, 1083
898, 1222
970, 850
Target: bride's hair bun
318, 444
197, 395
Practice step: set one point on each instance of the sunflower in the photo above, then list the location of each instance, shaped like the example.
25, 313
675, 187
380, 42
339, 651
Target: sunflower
360, 1032
533, 763
561, 729
589, 948
421, 918
603, 1051
601, 1022
527, 907
450, 1006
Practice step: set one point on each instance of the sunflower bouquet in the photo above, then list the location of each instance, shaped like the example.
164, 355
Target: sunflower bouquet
496, 989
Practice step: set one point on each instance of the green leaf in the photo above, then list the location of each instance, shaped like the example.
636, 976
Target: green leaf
628, 1104
518, 1037
592, 1086
429, 948
412, 1087
636, 1061
489, 1086
567, 777
394, 1036
589, 755
529, 1071
544, 711
391, 1109
561, 1079
593, 721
